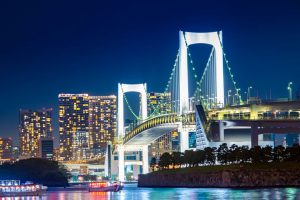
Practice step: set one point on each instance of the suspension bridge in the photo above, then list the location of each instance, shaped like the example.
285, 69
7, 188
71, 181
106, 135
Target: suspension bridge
186, 110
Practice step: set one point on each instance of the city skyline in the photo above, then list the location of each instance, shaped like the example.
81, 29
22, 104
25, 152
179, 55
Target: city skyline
36, 66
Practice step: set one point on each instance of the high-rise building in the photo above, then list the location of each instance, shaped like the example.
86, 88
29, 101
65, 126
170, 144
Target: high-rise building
46, 148
86, 124
166, 143
158, 103
73, 119
33, 126
56, 154
5, 148
102, 120
16, 152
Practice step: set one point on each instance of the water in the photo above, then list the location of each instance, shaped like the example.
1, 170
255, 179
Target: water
135, 193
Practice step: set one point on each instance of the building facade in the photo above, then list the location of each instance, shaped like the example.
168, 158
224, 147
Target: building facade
158, 103
73, 119
86, 124
80, 146
102, 121
33, 126
46, 148
166, 143
6, 148
15, 152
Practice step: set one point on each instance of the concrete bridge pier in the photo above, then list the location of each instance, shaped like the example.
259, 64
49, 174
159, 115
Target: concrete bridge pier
108, 160
221, 131
121, 149
184, 140
121, 162
145, 155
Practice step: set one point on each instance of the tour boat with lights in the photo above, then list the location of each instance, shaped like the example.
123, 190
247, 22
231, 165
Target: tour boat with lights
105, 186
13, 188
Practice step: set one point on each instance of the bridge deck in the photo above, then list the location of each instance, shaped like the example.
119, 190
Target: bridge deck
151, 134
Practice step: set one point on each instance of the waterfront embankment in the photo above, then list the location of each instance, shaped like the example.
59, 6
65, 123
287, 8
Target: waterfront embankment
233, 176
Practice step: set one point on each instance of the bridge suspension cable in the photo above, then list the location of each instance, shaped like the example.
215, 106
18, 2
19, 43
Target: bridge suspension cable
230, 74
171, 86
202, 88
129, 106
170, 90
205, 92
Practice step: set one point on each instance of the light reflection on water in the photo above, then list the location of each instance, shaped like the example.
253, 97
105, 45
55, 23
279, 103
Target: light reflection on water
135, 193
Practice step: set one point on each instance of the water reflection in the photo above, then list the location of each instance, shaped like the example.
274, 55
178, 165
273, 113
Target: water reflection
135, 193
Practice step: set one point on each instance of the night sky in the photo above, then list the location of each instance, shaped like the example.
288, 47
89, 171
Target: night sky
51, 47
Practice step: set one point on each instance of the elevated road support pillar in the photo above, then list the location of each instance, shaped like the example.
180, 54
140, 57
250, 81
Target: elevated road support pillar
221, 131
121, 162
145, 157
184, 140
254, 134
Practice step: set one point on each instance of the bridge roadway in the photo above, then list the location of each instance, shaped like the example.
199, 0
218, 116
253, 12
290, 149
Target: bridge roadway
261, 126
150, 130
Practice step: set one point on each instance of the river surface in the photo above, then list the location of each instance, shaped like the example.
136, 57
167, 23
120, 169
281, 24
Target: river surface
133, 192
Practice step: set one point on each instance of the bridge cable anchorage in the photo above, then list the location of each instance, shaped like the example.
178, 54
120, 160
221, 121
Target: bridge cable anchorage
230, 73
158, 107
128, 105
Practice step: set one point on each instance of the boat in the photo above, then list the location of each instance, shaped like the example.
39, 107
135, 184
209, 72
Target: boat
13, 188
105, 186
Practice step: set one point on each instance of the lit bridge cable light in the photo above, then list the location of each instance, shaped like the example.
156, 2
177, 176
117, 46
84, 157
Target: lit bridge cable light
231, 75
156, 110
130, 108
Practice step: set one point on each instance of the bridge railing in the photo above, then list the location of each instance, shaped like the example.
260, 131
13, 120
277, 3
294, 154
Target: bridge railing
136, 124
170, 118
259, 116
186, 119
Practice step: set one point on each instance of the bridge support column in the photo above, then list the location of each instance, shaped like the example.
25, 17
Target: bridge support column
108, 160
221, 131
254, 135
184, 141
145, 159
121, 162
190, 38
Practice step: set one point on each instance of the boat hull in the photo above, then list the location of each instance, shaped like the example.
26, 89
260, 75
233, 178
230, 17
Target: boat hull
111, 188
18, 194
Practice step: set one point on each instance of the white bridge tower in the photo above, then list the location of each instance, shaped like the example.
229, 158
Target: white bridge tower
186, 39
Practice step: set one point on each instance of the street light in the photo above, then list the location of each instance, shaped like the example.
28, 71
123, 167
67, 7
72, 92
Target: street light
289, 88
228, 95
248, 94
237, 95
